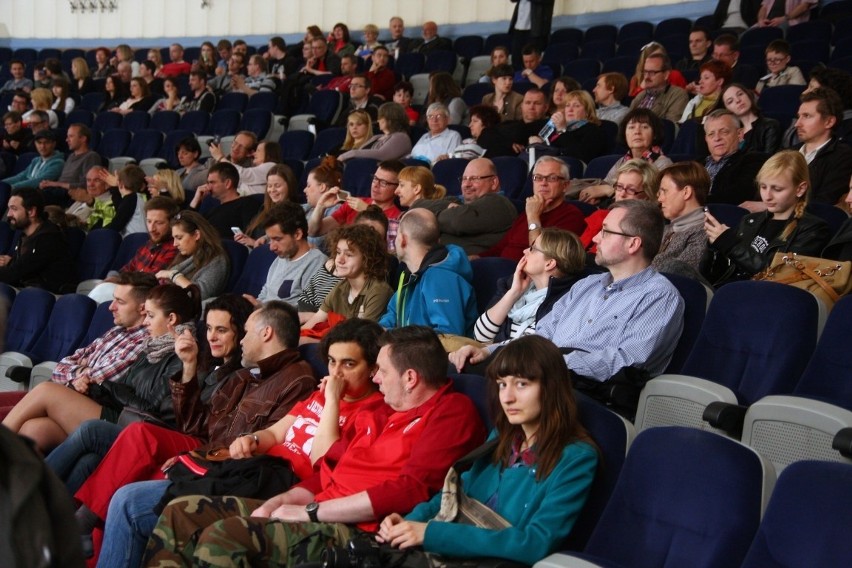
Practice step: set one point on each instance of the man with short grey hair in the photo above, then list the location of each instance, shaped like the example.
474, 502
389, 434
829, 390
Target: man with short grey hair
441, 140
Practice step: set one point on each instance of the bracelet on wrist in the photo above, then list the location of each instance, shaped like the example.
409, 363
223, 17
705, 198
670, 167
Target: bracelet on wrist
175, 275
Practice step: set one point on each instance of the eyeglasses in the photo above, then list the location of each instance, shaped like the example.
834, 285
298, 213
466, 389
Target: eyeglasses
552, 178
605, 232
652, 72
475, 179
775, 60
534, 248
36, 122
628, 190
436, 116
383, 183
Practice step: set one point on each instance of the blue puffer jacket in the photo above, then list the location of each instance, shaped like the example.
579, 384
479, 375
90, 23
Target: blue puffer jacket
439, 295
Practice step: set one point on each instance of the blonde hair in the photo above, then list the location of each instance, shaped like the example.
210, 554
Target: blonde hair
588, 104
361, 117
173, 185
650, 176
42, 98
565, 248
422, 176
80, 67
789, 163
649, 49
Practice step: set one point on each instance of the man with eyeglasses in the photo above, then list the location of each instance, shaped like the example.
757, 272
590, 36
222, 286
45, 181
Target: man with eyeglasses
483, 217
16, 139
223, 83
628, 317
440, 140
385, 182
732, 171
667, 101
360, 98
545, 208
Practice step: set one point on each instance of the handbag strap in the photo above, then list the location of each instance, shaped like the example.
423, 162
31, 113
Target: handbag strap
799, 265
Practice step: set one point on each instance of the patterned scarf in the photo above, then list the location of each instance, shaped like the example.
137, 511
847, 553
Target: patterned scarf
158, 348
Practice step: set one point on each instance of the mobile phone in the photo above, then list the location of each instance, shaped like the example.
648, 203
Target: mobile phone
343, 195
236, 231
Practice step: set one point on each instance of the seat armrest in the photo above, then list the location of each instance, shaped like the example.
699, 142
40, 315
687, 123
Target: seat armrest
726, 416
19, 373
843, 442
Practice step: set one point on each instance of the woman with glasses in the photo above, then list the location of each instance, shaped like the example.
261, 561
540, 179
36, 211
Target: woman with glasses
201, 259
634, 179
641, 132
392, 144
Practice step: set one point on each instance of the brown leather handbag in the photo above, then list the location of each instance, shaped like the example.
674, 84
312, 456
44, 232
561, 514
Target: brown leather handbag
826, 279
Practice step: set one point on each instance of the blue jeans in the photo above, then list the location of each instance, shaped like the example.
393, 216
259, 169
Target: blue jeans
129, 523
76, 458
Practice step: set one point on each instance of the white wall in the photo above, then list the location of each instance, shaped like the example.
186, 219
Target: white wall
50, 23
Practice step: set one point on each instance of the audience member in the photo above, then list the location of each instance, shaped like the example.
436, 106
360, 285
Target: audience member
224, 82
398, 42
201, 260
841, 82
371, 42
774, 13
714, 76
192, 172
735, 15
548, 267
361, 260
783, 226
200, 97
636, 84
499, 56
444, 89
296, 261
609, 91
18, 82
576, 129
403, 92
504, 100
760, 133
281, 186
778, 65
700, 52
322, 61
533, 71
171, 99
416, 183
381, 76
115, 93
223, 179
40, 255
16, 138
97, 196
348, 70
732, 171
829, 160
436, 289
130, 207
256, 80
682, 194
47, 166
265, 155
140, 98
440, 140
545, 208
430, 40
82, 83
359, 130
666, 100
484, 216
726, 48
80, 160
482, 117
361, 98
176, 65
103, 68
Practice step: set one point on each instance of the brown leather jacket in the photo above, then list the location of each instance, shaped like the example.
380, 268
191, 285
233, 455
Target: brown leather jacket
244, 402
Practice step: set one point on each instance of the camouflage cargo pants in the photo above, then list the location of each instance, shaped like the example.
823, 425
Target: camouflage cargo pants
218, 531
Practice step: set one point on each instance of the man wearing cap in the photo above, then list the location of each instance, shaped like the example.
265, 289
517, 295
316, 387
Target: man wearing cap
48, 165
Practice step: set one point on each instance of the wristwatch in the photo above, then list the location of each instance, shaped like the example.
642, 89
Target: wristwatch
533, 227
311, 509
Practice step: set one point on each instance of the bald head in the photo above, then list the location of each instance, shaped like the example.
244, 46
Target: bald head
421, 227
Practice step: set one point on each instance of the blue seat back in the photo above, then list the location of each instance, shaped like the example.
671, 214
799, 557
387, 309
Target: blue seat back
253, 275
684, 495
237, 254
65, 329
486, 272
476, 388
102, 321
97, 253
127, 249
27, 318
694, 295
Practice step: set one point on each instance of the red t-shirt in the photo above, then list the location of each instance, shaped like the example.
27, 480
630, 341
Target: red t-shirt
297, 444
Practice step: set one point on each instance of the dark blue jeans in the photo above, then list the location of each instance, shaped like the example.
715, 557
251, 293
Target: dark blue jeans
76, 458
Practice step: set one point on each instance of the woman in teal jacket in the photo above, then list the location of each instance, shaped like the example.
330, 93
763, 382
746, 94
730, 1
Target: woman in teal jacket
538, 477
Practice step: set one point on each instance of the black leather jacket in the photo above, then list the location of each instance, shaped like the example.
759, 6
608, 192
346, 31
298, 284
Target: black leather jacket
764, 136
808, 238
